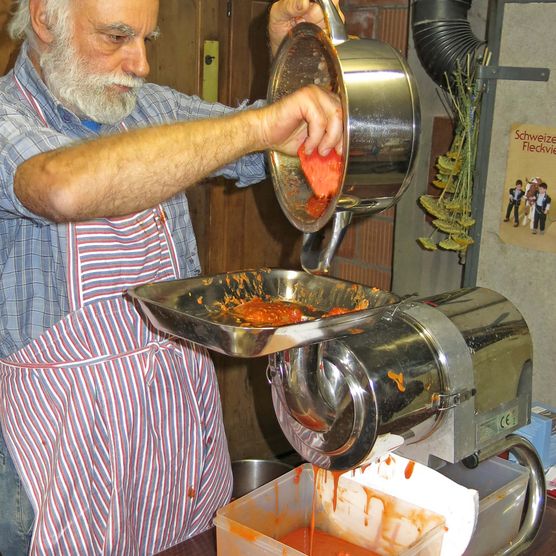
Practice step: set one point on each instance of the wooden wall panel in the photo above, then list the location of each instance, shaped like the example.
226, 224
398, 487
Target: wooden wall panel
248, 43
247, 228
394, 26
176, 61
175, 57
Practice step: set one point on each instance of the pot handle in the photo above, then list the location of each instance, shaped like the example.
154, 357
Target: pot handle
334, 22
316, 258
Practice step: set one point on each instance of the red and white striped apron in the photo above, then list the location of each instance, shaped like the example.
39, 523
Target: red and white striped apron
115, 428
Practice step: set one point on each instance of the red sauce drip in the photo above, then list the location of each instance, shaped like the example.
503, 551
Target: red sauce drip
409, 469
336, 476
276, 499
319, 543
337, 311
243, 532
316, 470
398, 379
316, 206
365, 467
369, 496
309, 422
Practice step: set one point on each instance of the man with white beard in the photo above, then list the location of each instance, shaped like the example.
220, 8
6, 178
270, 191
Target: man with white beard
114, 428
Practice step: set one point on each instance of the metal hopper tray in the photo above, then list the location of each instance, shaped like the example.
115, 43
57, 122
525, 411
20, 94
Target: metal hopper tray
195, 309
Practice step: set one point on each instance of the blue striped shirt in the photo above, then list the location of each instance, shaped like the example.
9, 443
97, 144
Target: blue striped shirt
33, 250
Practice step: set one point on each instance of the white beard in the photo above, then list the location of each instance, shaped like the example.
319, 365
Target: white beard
87, 94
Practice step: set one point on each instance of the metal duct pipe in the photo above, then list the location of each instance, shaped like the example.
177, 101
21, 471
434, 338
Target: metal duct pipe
442, 35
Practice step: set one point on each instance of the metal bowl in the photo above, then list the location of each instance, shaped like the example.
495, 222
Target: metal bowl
250, 474
191, 308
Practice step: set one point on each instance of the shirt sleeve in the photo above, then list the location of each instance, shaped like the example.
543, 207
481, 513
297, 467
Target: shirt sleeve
21, 138
245, 171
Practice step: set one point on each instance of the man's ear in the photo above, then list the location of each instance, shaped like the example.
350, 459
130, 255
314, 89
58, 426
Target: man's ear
39, 21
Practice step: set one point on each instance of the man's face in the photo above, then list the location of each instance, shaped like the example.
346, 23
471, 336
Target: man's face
98, 62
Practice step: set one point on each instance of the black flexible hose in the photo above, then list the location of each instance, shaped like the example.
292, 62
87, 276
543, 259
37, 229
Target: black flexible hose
443, 37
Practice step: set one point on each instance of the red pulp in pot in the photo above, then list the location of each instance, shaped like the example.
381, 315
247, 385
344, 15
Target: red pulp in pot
324, 173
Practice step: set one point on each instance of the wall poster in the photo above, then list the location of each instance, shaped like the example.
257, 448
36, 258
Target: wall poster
526, 217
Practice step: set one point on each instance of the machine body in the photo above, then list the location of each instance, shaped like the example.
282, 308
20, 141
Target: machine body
450, 374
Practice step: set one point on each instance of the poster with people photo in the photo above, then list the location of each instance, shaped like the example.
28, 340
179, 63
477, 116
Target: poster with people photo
526, 218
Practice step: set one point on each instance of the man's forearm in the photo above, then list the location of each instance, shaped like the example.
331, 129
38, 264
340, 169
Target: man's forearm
120, 174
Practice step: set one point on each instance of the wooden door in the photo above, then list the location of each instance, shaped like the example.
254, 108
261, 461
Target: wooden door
247, 227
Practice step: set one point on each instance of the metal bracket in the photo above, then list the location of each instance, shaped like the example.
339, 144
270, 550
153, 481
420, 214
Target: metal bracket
444, 400
513, 73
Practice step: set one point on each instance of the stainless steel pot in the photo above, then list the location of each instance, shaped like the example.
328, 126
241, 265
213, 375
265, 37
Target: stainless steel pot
381, 119
250, 474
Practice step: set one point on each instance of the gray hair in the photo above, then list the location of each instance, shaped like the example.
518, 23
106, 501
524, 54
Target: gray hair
20, 27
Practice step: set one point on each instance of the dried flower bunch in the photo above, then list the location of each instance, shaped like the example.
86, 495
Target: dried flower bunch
452, 208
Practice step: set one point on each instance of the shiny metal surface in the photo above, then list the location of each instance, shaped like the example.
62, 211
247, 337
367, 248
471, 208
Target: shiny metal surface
192, 309
316, 252
451, 374
381, 119
250, 474
484, 344
334, 400
334, 23
499, 343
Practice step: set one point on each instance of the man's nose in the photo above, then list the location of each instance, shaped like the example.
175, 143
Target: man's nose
136, 62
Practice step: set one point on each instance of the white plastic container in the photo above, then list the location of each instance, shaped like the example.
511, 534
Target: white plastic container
502, 486
379, 522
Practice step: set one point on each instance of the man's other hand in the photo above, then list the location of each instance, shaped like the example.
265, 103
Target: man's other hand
286, 14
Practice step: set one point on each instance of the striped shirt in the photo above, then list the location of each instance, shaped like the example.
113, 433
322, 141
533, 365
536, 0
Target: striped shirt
33, 250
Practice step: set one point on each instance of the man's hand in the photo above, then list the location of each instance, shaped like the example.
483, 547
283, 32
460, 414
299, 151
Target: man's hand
310, 115
286, 14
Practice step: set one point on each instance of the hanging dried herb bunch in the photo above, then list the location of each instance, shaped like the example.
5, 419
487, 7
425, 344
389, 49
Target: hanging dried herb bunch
452, 208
